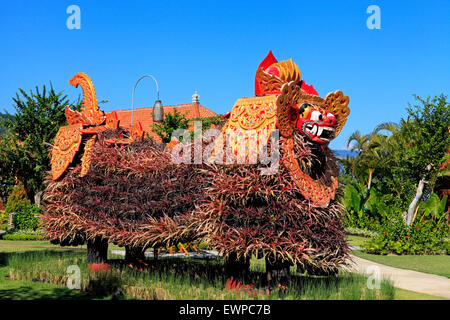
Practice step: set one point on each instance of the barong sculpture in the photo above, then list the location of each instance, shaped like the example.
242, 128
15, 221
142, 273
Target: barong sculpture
110, 185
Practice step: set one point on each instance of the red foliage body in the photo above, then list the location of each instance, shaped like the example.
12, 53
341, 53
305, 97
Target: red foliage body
135, 196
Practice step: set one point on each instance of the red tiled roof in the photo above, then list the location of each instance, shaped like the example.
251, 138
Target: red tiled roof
144, 115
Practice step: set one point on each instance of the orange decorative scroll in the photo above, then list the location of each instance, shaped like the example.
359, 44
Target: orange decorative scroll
112, 121
337, 103
136, 132
74, 117
86, 159
319, 194
67, 144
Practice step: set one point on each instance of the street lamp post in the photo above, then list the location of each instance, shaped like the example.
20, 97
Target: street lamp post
157, 112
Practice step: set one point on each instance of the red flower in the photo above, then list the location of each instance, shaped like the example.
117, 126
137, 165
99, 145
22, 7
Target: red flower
385, 233
417, 227
406, 237
98, 267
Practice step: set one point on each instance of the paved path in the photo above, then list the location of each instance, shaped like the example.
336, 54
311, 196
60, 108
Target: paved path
203, 254
405, 279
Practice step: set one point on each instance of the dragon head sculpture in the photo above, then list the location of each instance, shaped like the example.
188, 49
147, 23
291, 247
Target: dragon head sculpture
285, 102
316, 123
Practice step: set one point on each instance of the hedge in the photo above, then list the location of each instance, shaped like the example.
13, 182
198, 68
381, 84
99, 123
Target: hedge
13, 236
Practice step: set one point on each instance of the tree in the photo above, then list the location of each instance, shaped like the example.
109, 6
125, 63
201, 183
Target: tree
411, 155
2, 129
430, 140
171, 122
24, 148
208, 122
368, 158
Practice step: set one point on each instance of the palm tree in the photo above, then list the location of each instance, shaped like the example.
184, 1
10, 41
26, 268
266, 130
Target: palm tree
368, 158
360, 145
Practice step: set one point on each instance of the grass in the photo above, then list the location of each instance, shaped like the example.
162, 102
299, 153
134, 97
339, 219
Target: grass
177, 278
434, 264
401, 294
355, 240
28, 245
169, 279
29, 290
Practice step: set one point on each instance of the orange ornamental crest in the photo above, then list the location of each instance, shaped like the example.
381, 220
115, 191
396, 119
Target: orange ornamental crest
66, 145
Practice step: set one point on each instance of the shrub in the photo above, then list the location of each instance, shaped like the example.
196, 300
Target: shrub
371, 225
3, 226
360, 232
426, 237
27, 216
16, 234
365, 208
26, 231
3, 218
21, 237
17, 197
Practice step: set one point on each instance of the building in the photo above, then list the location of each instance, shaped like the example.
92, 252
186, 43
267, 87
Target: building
144, 115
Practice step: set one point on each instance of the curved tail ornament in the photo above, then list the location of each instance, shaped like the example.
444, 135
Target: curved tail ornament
83, 127
90, 113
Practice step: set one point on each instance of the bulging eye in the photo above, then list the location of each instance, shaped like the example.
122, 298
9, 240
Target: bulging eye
316, 115
302, 108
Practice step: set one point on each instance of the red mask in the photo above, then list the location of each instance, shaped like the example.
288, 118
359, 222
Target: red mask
316, 123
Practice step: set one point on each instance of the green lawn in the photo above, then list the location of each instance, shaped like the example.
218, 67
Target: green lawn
355, 240
25, 289
401, 294
168, 279
21, 246
29, 290
434, 264
439, 265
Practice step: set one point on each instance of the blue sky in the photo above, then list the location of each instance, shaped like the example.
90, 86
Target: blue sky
214, 47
